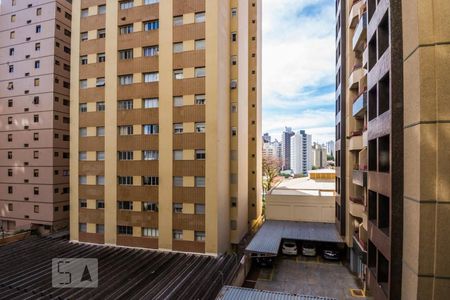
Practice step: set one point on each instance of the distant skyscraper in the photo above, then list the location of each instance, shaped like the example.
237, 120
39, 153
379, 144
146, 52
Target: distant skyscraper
330, 148
267, 138
272, 149
301, 156
286, 148
319, 156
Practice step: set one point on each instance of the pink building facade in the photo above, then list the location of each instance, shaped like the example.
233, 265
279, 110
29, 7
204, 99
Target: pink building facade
34, 114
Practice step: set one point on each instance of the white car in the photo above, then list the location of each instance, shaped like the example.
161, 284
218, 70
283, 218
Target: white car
289, 248
309, 249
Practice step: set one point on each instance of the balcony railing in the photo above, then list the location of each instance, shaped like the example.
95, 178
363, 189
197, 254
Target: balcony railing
360, 177
360, 35
360, 106
360, 248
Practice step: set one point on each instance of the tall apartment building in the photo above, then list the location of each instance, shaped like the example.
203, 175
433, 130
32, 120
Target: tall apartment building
301, 153
166, 133
392, 134
34, 114
319, 156
272, 149
286, 148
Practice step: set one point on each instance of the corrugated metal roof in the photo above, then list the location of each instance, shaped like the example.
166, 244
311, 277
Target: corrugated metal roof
267, 240
238, 293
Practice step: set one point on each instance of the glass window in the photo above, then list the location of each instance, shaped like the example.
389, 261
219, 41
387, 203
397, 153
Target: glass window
200, 209
126, 29
200, 44
200, 99
234, 12
199, 181
150, 155
126, 130
200, 17
84, 36
99, 228
125, 205
177, 47
150, 129
100, 106
150, 232
151, 25
200, 154
150, 1
83, 227
101, 33
100, 82
177, 154
149, 206
125, 230
84, 12
100, 204
84, 60
101, 9
83, 107
151, 77
200, 127
83, 203
126, 4
200, 236
150, 180
178, 207
178, 74
200, 72
125, 180
125, 155
83, 179
177, 20
178, 181
178, 234
178, 101
100, 180
125, 104
150, 103
100, 155
151, 51
82, 155
126, 54
101, 131
83, 132
178, 128
125, 79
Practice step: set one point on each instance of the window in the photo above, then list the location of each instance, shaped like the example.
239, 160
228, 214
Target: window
37, 82
126, 130
100, 180
101, 9
101, 33
151, 25
84, 12
178, 128
126, 4
200, 17
151, 51
83, 132
149, 206
36, 100
125, 104
10, 172
177, 47
126, 29
10, 86
82, 180
234, 12
100, 131
10, 103
200, 72
199, 181
150, 154
37, 64
84, 60
13, 18
178, 234
150, 232
200, 127
83, 227
84, 36
37, 46
83, 107
125, 180
125, 230
35, 155
151, 77
178, 208
100, 82
233, 84
36, 136
83, 203
178, 74
83, 84
36, 118
150, 1
200, 236
100, 204
234, 60
11, 52
200, 154
10, 137
38, 28
11, 69
199, 44
234, 36
178, 181
125, 205
200, 99
151, 129
126, 54
150, 103
10, 190
12, 35
101, 57
125, 79
178, 101
82, 155
99, 228
100, 106
177, 154
177, 20
125, 155
200, 209
150, 180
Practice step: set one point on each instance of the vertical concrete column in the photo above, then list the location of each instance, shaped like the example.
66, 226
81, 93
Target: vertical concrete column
74, 118
165, 189
111, 123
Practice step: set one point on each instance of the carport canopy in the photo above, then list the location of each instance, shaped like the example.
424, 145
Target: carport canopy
267, 240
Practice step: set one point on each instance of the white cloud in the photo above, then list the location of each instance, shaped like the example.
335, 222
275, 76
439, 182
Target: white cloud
298, 60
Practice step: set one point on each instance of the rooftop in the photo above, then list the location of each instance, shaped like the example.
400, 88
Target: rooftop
305, 186
238, 293
124, 273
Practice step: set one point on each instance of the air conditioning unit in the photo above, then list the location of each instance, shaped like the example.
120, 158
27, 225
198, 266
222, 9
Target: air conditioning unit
25, 127
26, 163
27, 92
26, 181
27, 56
28, 38
26, 109
25, 145
28, 21
27, 74
26, 198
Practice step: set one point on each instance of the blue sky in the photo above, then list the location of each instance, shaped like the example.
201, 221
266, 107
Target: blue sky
298, 67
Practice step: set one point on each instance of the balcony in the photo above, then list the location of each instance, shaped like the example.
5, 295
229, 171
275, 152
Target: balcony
360, 248
360, 106
356, 76
365, 58
360, 35
360, 177
365, 139
356, 207
355, 13
355, 143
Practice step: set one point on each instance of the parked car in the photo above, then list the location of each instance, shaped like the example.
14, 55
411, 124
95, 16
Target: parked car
266, 262
331, 254
309, 249
289, 248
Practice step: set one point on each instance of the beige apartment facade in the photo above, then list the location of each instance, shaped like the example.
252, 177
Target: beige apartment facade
391, 126
34, 114
169, 160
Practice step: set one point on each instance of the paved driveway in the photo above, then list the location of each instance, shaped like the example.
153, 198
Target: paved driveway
309, 276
